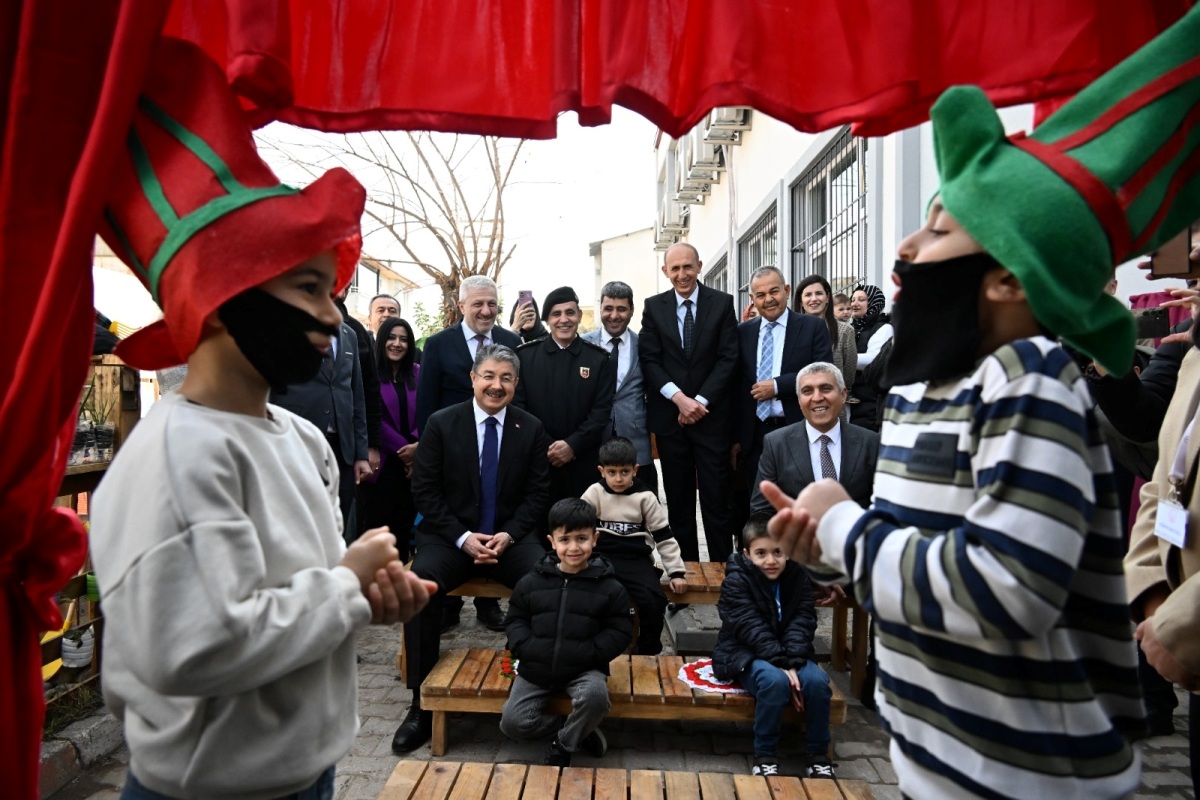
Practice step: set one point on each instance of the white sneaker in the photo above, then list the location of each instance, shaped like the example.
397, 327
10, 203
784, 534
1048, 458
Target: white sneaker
820, 768
765, 768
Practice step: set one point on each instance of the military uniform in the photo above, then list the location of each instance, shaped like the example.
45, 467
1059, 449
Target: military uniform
571, 391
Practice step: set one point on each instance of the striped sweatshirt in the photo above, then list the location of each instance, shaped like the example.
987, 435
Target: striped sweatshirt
991, 562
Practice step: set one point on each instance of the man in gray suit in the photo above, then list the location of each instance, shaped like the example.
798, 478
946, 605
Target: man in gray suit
821, 446
629, 402
334, 402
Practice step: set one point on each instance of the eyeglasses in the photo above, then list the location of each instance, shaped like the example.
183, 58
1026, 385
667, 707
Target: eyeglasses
506, 379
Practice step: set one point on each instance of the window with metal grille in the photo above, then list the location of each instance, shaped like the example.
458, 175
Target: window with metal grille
718, 277
829, 215
756, 249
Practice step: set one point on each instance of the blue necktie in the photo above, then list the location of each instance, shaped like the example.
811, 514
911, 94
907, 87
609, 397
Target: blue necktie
766, 365
488, 462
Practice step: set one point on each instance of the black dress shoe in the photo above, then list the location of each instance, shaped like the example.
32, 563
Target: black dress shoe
414, 731
491, 617
449, 619
675, 608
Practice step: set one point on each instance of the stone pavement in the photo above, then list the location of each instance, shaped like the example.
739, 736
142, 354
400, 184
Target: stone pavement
860, 746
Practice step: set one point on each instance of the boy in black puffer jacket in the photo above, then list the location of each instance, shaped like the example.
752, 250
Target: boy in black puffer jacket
768, 619
567, 620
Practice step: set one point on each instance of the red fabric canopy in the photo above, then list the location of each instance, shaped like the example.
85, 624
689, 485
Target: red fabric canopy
510, 68
69, 74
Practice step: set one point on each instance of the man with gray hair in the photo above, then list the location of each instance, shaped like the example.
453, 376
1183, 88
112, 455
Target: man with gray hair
473, 523
629, 401
446, 381
821, 446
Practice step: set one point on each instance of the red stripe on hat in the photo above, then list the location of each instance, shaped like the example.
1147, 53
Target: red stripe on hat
1094, 192
1158, 160
1187, 170
1133, 103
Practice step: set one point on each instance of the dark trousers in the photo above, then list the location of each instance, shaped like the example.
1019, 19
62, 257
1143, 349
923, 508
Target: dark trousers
389, 501
450, 567
642, 580
570, 480
345, 487
690, 462
647, 474
1194, 742
746, 472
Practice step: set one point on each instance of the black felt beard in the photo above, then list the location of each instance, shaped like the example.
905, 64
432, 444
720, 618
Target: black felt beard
273, 336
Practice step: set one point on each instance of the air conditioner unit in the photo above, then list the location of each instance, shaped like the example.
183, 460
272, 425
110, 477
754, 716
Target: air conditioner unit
663, 240
724, 125
706, 156
674, 217
690, 197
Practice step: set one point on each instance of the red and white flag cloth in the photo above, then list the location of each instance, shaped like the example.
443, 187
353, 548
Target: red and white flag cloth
699, 675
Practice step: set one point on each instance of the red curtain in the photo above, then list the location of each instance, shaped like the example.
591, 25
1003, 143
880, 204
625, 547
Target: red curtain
512, 67
69, 73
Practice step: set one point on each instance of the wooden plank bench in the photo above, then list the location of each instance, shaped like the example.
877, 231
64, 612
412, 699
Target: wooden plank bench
704, 581
438, 780
639, 687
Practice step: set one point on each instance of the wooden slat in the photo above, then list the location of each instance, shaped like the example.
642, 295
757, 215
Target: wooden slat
856, 790
620, 681
682, 786
645, 784
714, 575
495, 682
751, 787
507, 782
674, 691
610, 784
646, 686
716, 786
439, 780
472, 783
822, 789
438, 681
786, 788
541, 783
739, 700
694, 576
837, 705
402, 783
575, 783
470, 675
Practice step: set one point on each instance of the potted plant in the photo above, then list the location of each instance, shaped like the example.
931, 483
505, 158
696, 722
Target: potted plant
99, 410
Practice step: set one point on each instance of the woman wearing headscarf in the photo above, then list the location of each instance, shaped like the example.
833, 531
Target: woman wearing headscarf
872, 330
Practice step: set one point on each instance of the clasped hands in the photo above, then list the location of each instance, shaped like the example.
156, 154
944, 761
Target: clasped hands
691, 411
795, 522
395, 594
485, 548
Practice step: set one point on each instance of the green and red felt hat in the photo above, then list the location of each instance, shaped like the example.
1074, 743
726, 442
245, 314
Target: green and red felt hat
1111, 175
199, 217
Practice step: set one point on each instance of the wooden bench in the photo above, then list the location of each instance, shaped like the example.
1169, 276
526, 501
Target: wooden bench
437, 780
639, 687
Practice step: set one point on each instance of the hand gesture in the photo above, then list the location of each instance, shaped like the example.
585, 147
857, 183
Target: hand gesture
560, 454
763, 390
792, 526
371, 552
678, 585
362, 470
828, 595
478, 547
1161, 659
397, 594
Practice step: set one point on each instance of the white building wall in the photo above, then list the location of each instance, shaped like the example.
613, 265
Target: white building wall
631, 258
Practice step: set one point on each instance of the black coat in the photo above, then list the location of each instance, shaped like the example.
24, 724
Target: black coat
570, 390
561, 625
750, 625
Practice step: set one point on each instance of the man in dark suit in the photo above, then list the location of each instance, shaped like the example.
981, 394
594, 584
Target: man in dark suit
629, 401
446, 381
334, 402
688, 353
795, 456
475, 521
772, 348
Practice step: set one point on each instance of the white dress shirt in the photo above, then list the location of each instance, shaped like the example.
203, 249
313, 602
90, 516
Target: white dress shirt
623, 355
472, 343
669, 390
780, 335
835, 448
480, 426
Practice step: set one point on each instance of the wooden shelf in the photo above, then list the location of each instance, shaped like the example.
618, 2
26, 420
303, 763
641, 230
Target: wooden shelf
82, 478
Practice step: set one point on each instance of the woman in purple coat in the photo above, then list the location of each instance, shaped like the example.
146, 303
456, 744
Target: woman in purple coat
391, 502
